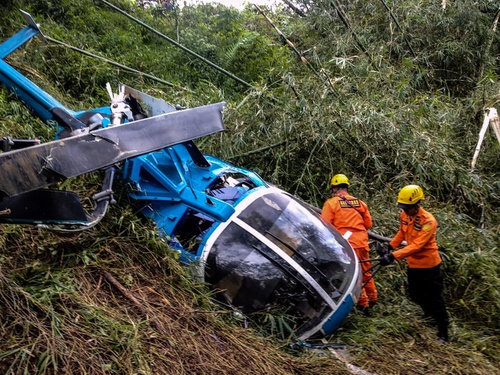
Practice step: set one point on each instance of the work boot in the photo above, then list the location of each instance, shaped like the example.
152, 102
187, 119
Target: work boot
443, 336
442, 327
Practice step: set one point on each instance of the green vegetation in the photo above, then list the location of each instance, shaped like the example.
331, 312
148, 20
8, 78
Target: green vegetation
386, 97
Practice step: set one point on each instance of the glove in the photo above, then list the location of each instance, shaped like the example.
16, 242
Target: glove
383, 249
387, 259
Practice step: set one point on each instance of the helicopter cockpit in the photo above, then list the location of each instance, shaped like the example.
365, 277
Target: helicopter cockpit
276, 250
230, 186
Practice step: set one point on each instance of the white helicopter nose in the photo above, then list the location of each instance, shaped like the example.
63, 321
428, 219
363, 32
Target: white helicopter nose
274, 251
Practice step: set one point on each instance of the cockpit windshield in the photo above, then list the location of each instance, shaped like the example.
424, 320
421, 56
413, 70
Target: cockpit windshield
281, 252
302, 235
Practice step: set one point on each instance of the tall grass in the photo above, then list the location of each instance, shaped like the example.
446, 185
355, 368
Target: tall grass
63, 313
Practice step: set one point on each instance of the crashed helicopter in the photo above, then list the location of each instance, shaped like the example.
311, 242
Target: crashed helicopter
255, 243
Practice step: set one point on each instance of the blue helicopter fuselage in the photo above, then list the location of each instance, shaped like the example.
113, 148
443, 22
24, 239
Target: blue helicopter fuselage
256, 244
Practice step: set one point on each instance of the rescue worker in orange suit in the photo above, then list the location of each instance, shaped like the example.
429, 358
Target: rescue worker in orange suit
425, 284
348, 213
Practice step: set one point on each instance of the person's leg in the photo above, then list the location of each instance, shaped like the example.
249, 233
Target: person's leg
363, 301
416, 287
368, 281
436, 303
425, 286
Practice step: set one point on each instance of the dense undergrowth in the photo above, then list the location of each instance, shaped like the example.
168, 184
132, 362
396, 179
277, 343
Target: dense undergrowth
388, 98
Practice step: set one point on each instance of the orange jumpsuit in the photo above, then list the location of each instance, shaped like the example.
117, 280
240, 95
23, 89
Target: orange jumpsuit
348, 213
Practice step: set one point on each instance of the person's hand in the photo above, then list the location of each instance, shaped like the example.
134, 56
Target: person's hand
383, 249
387, 259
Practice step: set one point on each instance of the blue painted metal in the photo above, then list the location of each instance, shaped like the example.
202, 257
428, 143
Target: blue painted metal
32, 95
167, 184
335, 320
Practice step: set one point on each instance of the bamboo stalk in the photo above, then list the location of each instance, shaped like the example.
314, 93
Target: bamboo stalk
111, 62
259, 150
489, 42
297, 52
490, 114
294, 8
185, 49
404, 36
495, 124
345, 21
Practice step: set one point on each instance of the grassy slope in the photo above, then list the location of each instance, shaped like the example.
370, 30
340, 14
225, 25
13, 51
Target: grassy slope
63, 311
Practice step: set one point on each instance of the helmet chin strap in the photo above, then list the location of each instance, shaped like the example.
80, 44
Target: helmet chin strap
336, 189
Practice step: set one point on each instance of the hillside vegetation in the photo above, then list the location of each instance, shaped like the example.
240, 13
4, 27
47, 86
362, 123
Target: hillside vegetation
389, 93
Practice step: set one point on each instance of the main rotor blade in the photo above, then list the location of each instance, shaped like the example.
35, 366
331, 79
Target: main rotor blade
38, 166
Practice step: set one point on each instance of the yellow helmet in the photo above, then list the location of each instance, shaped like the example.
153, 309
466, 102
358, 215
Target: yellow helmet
410, 195
339, 179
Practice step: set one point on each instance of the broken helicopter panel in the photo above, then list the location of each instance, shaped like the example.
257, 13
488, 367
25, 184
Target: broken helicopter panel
254, 242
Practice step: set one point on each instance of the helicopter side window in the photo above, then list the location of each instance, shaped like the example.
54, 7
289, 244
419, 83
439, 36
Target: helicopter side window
229, 187
191, 229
